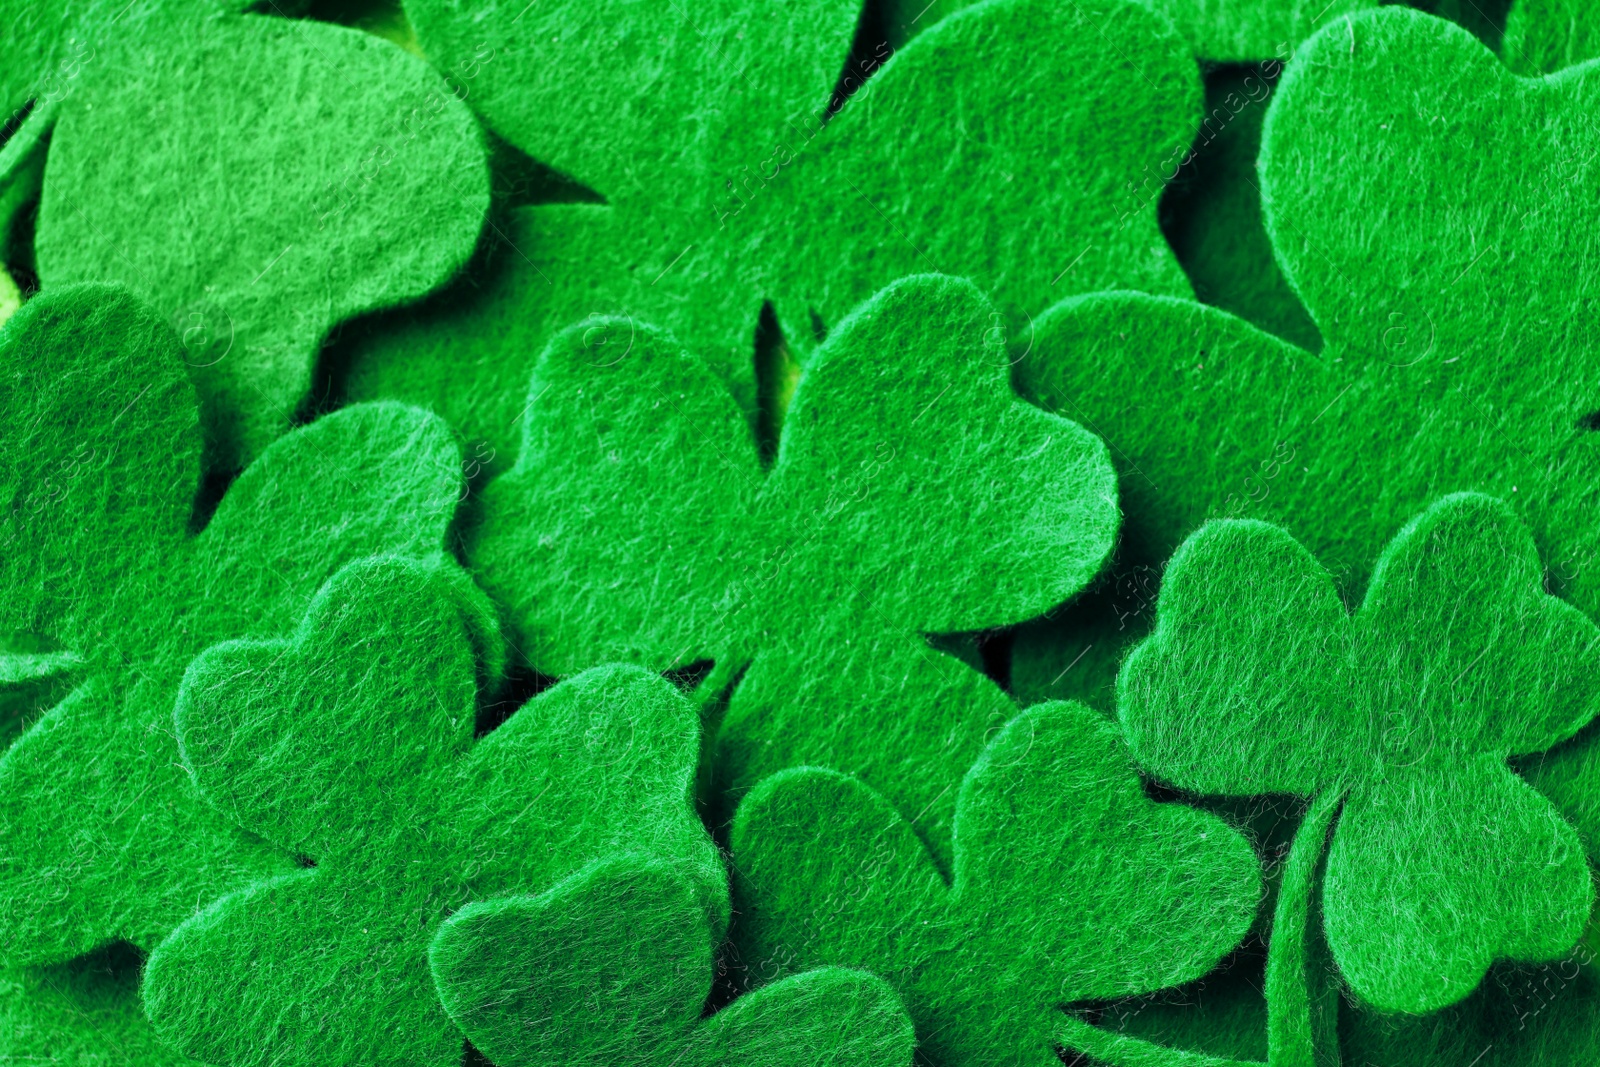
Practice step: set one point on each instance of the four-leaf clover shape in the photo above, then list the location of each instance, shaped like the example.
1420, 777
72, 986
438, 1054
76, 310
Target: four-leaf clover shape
613, 966
912, 493
113, 568
728, 181
1069, 885
1257, 680
351, 745
305, 174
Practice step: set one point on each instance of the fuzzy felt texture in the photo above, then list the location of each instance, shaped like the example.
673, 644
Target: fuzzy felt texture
1052, 159
1069, 885
46, 45
1544, 36
1521, 1016
1218, 234
1452, 361
101, 834
1257, 681
310, 173
351, 744
1244, 30
22, 156
1219, 30
31, 683
612, 967
84, 1013
10, 295
912, 493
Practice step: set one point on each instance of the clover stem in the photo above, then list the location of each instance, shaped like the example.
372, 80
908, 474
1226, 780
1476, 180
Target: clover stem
1300, 1022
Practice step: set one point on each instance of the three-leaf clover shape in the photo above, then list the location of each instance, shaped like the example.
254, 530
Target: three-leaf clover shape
351, 745
612, 967
291, 175
728, 181
1069, 884
1442, 274
912, 493
1257, 680
107, 570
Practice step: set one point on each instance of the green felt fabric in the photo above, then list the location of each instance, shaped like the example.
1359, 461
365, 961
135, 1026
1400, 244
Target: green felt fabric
1544, 36
10, 295
642, 104
1218, 30
1569, 775
1522, 1016
292, 175
1244, 30
612, 967
1257, 680
912, 493
1211, 214
351, 744
666, 92
1069, 885
1299, 986
31, 683
101, 834
1053, 161
1452, 360
1216, 228
1484, 19
47, 45
22, 157
1072, 652
1223, 1014
1542, 1017
84, 1013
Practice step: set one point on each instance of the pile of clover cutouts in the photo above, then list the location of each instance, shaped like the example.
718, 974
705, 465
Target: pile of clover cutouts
967, 535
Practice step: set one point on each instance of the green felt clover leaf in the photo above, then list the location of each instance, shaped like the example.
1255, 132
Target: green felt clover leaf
718, 199
912, 493
351, 744
291, 175
1452, 359
1069, 885
612, 967
101, 835
1257, 680
1544, 36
